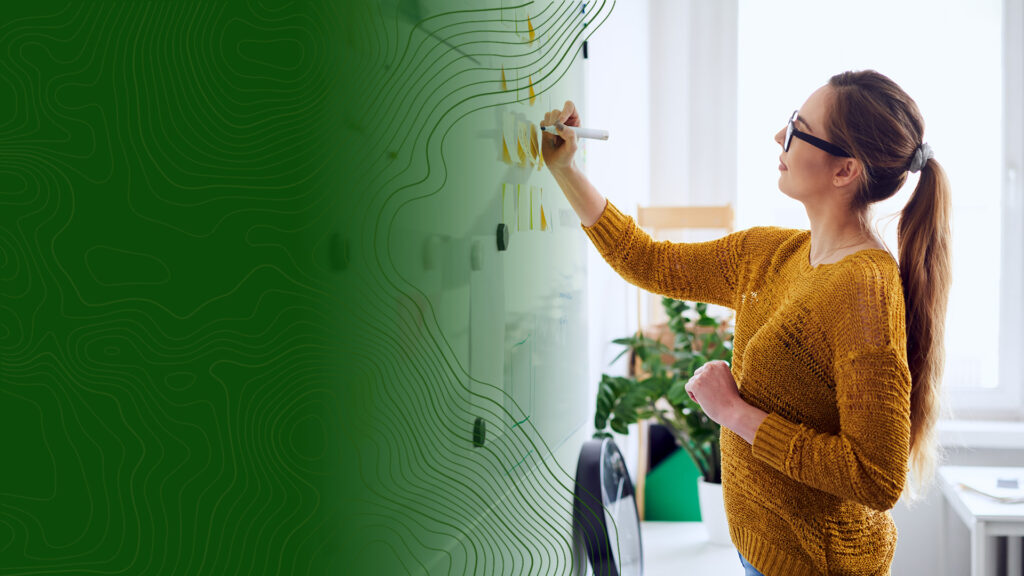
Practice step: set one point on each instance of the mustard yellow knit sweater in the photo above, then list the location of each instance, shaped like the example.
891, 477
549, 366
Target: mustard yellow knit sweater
823, 351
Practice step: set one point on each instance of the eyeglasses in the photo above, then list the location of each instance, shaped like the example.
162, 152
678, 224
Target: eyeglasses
816, 142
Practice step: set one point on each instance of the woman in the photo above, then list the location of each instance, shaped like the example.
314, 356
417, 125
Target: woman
832, 396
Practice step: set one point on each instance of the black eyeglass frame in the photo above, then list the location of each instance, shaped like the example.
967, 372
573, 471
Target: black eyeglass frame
813, 141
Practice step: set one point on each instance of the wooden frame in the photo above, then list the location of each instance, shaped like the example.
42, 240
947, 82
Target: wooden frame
655, 219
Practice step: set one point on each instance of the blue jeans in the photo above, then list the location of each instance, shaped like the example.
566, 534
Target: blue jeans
748, 570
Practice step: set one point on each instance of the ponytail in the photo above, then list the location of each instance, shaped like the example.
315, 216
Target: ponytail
881, 125
926, 271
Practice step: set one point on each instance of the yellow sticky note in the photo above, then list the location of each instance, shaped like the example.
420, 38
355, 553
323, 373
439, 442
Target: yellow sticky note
509, 134
534, 149
543, 219
523, 208
529, 24
523, 144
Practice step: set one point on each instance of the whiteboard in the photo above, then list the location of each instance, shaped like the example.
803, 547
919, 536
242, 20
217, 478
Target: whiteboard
508, 320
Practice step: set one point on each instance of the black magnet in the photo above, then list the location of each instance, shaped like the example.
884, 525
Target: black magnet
479, 432
502, 237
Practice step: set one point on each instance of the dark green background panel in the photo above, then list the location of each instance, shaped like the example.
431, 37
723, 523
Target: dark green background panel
228, 343
169, 369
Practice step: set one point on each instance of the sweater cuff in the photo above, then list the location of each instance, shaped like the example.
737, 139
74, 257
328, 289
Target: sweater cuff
605, 233
773, 440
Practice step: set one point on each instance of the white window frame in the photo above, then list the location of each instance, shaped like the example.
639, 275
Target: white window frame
1005, 400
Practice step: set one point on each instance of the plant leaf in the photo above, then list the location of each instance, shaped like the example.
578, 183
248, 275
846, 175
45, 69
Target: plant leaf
614, 360
618, 426
677, 392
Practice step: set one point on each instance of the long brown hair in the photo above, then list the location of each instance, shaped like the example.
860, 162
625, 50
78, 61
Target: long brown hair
880, 125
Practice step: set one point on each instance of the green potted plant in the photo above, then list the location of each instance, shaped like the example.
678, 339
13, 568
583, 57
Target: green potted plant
657, 390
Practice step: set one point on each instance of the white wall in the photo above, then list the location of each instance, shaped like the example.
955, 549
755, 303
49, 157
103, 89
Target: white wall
617, 77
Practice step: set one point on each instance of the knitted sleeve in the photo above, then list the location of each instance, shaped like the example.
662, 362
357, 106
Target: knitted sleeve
695, 271
867, 460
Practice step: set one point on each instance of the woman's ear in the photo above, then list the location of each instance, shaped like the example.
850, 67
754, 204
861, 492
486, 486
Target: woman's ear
847, 171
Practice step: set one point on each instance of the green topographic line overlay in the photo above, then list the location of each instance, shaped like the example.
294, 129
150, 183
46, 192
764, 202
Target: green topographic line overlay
421, 498
215, 357
170, 377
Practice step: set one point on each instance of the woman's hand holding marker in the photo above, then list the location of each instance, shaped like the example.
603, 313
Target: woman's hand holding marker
558, 150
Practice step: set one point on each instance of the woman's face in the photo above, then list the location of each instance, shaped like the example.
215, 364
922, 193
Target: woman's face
806, 171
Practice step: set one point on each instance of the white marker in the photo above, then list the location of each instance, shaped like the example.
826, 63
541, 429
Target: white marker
580, 132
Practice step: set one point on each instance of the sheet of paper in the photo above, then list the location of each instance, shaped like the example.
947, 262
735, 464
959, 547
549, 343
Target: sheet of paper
509, 135
1005, 494
534, 204
505, 157
523, 211
508, 205
523, 144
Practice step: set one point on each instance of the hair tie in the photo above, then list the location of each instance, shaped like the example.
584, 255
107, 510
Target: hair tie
921, 156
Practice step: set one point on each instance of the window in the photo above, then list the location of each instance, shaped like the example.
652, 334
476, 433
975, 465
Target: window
961, 62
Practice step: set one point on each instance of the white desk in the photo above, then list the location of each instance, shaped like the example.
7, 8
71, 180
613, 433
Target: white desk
984, 517
674, 548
